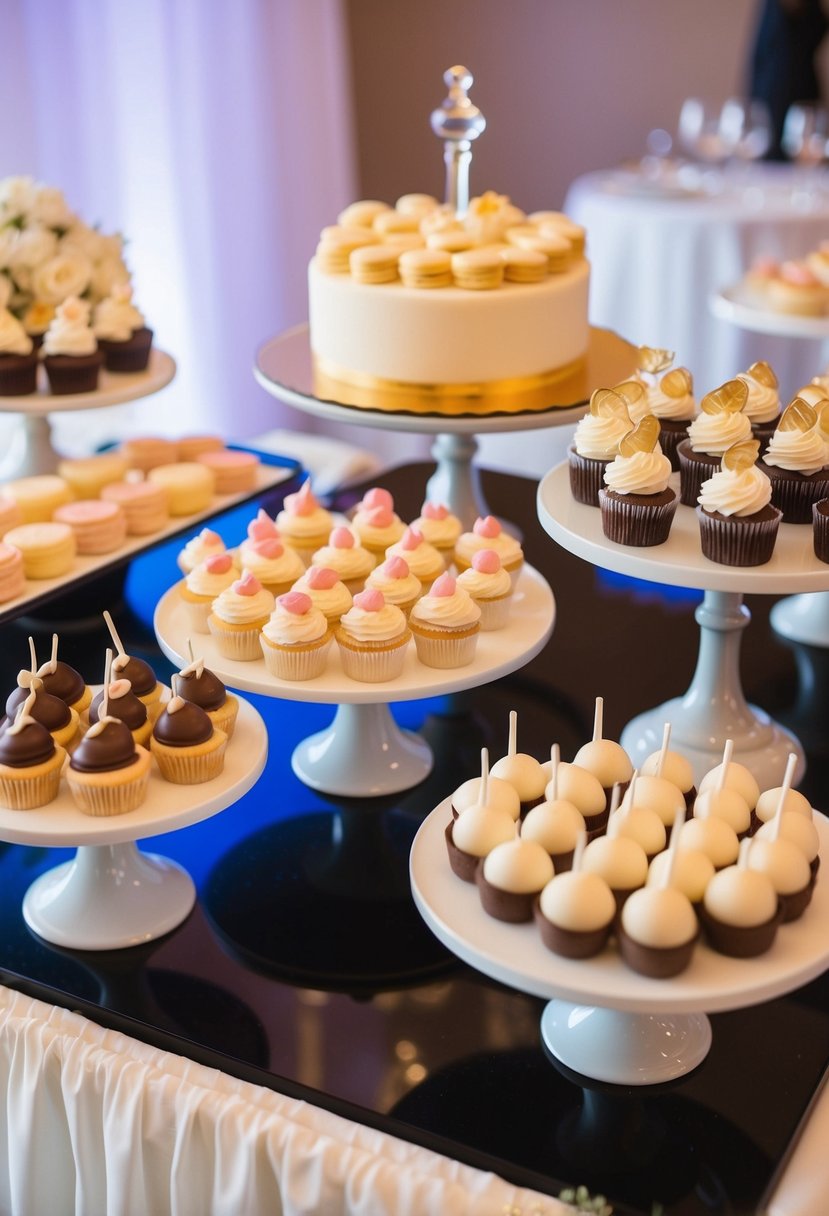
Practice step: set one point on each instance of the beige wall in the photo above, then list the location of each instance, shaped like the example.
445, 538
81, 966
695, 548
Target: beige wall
566, 85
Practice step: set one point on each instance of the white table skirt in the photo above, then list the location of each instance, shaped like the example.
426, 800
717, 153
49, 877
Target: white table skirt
99, 1124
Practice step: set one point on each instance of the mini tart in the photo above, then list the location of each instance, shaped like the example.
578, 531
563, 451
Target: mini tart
185, 745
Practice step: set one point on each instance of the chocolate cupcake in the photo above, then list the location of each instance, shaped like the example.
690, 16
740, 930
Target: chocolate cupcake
185, 744
30, 762
123, 338
595, 444
762, 407
70, 351
719, 425
796, 463
124, 705
737, 522
108, 772
18, 358
637, 505
820, 529
197, 684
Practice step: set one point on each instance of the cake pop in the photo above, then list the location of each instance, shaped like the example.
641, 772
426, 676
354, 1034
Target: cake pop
741, 911
523, 772
781, 860
672, 766
658, 926
723, 801
619, 860
739, 778
555, 823
476, 832
511, 876
606, 760
575, 910
640, 823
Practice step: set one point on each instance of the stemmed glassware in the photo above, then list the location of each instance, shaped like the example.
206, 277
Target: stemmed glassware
805, 140
715, 133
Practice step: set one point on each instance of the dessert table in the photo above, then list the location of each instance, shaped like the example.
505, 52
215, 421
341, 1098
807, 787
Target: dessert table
658, 255
307, 991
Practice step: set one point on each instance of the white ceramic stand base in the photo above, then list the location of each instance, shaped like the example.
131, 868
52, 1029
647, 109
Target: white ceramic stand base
803, 618
363, 753
625, 1048
108, 897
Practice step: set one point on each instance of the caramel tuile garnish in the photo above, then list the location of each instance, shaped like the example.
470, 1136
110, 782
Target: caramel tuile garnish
797, 416
607, 403
729, 398
643, 438
762, 372
677, 383
632, 391
822, 412
741, 456
653, 359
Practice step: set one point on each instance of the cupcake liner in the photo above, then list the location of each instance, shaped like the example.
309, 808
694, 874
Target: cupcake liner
693, 472
25, 791
296, 662
628, 520
445, 650
658, 962
795, 494
191, 765
570, 943
515, 907
373, 665
494, 613
820, 529
224, 718
586, 477
740, 941
462, 864
119, 795
241, 644
732, 541
197, 614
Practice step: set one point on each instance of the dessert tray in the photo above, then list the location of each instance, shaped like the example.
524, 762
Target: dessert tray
284, 368
111, 894
114, 388
714, 707
734, 304
604, 1020
388, 759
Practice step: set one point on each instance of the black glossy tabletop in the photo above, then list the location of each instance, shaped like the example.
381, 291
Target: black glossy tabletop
306, 967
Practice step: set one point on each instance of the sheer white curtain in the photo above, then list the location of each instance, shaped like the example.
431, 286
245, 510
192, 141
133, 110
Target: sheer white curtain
217, 135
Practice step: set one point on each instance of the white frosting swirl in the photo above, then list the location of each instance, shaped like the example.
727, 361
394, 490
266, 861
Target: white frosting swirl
374, 626
202, 581
732, 492
69, 333
243, 609
395, 590
456, 611
598, 438
315, 523
482, 586
675, 409
199, 547
13, 338
713, 433
763, 404
422, 561
349, 563
440, 532
797, 451
332, 601
116, 317
506, 546
286, 568
295, 628
641, 473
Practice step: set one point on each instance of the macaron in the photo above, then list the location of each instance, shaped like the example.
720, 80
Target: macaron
426, 268
557, 249
234, 471
12, 575
190, 447
361, 214
390, 222
478, 269
48, 549
10, 514
99, 526
148, 451
87, 477
452, 240
416, 205
374, 264
336, 247
188, 484
143, 502
38, 497
524, 265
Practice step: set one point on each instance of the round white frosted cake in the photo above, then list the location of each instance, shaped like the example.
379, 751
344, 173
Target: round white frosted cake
419, 303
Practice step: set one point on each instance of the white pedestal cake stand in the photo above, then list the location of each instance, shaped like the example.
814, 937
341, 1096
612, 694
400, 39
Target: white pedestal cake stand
114, 388
604, 1020
111, 894
363, 753
800, 618
284, 368
714, 707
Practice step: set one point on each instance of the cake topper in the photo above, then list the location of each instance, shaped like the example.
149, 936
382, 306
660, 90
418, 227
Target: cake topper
632, 392
729, 398
762, 372
797, 416
608, 403
677, 383
741, 456
653, 359
457, 121
643, 438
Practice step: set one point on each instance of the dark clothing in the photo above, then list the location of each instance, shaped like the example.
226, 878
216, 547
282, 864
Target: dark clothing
782, 66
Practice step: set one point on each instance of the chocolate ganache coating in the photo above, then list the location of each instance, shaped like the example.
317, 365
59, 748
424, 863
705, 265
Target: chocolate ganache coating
27, 747
185, 727
207, 691
140, 675
112, 749
64, 682
50, 711
127, 708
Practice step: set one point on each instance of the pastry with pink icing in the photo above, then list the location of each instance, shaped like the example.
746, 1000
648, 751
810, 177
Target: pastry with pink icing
423, 559
274, 564
490, 586
203, 585
373, 638
99, 527
795, 289
327, 591
346, 555
398, 584
377, 526
439, 527
303, 522
239, 613
296, 639
487, 533
445, 623
206, 544
261, 527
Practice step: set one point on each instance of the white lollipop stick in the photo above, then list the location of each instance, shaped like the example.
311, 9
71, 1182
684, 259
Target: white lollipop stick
726, 760
107, 677
32, 655
512, 746
742, 855
113, 632
598, 714
663, 751
673, 850
53, 661
578, 851
614, 820
555, 756
791, 765
484, 786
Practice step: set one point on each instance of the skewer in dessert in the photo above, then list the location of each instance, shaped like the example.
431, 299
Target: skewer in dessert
606, 760
619, 860
555, 823
139, 673
741, 912
671, 765
782, 861
658, 926
722, 801
521, 770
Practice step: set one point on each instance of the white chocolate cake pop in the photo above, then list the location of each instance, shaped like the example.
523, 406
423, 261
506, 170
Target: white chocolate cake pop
555, 823
606, 760
576, 909
781, 860
739, 778
619, 860
741, 896
500, 794
519, 866
640, 823
713, 837
477, 831
723, 801
795, 828
766, 807
658, 924
670, 765
523, 772
692, 872
577, 786
659, 795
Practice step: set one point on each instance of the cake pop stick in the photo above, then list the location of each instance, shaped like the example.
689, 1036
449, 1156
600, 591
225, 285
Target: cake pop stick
791, 765
663, 751
614, 820
598, 715
483, 788
512, 745
113, 633
666, 878
107, 677
555, 759
726, 761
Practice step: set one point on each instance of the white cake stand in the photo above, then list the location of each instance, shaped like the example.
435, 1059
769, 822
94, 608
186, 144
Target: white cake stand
714, 708
110, 894
604, 1020
363, 753
284, 368
114, 388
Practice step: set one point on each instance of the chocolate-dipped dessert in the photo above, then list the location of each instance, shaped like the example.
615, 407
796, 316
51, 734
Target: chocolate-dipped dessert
126, 707
187, 747
198, 684
64, 681
30, 762
139, 673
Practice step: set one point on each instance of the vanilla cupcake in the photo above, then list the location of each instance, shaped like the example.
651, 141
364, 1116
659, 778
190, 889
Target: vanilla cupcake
186, 746
203, 585
489, 585
262, 527
439, 527
206, 543
327, 591
303, 522
239, 614
445, 623
123, 704
487, 533
397, 583
198, 684
372, 638
296, 638
30, 763
423, 559
346, 555
378, 527
276, 566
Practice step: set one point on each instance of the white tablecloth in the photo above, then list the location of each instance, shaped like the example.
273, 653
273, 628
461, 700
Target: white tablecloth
656, 259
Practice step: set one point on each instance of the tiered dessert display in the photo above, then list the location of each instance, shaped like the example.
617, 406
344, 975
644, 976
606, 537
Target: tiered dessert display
453, 320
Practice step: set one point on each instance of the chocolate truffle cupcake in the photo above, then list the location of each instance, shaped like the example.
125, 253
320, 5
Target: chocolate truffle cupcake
18, 358
796, 463
62, 723
185, 745
108, 772
30, 762
124, 705
720, 424
637, 503
197, 684
139, 673
64, 681
595, 443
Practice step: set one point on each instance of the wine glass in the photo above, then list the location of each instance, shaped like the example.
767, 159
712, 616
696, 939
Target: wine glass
745, 124
700, 130
804, 140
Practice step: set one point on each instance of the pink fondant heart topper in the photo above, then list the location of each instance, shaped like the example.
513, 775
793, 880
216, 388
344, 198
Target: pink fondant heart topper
370, 600
443, 586
247, 584
218, 563
377, 497
434, 510
270, 547
303, 502
262, 527
208, 537
321, 578
395, 567
295, 602
412, 538
487, 526
379, 517
342, 538
486, 561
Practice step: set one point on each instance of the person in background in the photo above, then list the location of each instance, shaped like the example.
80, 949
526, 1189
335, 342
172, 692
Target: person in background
782, 67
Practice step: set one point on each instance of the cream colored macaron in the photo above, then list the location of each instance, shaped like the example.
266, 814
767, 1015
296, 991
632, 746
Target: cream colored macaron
562, 225
416, 205
478, 269
48, 549
362, 214
393, 221
38, 496
336, 246
189, 486
88, 476
524, 265
426, 268
374, 264
452, 240
557, 249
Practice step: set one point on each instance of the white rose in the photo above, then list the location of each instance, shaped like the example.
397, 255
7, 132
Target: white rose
22, 276
8, 239
68, 274
106, 274
17, 194
80, 238
5, 291
50, 208
32, 247
110, 245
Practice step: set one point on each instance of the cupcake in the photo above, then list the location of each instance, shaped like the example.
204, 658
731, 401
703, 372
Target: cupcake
64, 681
672, 401
238, 616
575, 910
262, 527
123, 338
445, 623
762, 407
637, 504
206, 543
186, 746
720, 424
296, 639
424, 560
62, 723
276, 566
741, 912
203, 585
378, 527
108, 772
595, 443
473, 835
139, 673
513, 874
18, 358
123, 704
347, 556
737, 522
327, 591
197, 684
796, 463
439, 527
303, 522
489, 585
397, 583
487, 533
70, 351
30, 762
372, 638
820, 529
